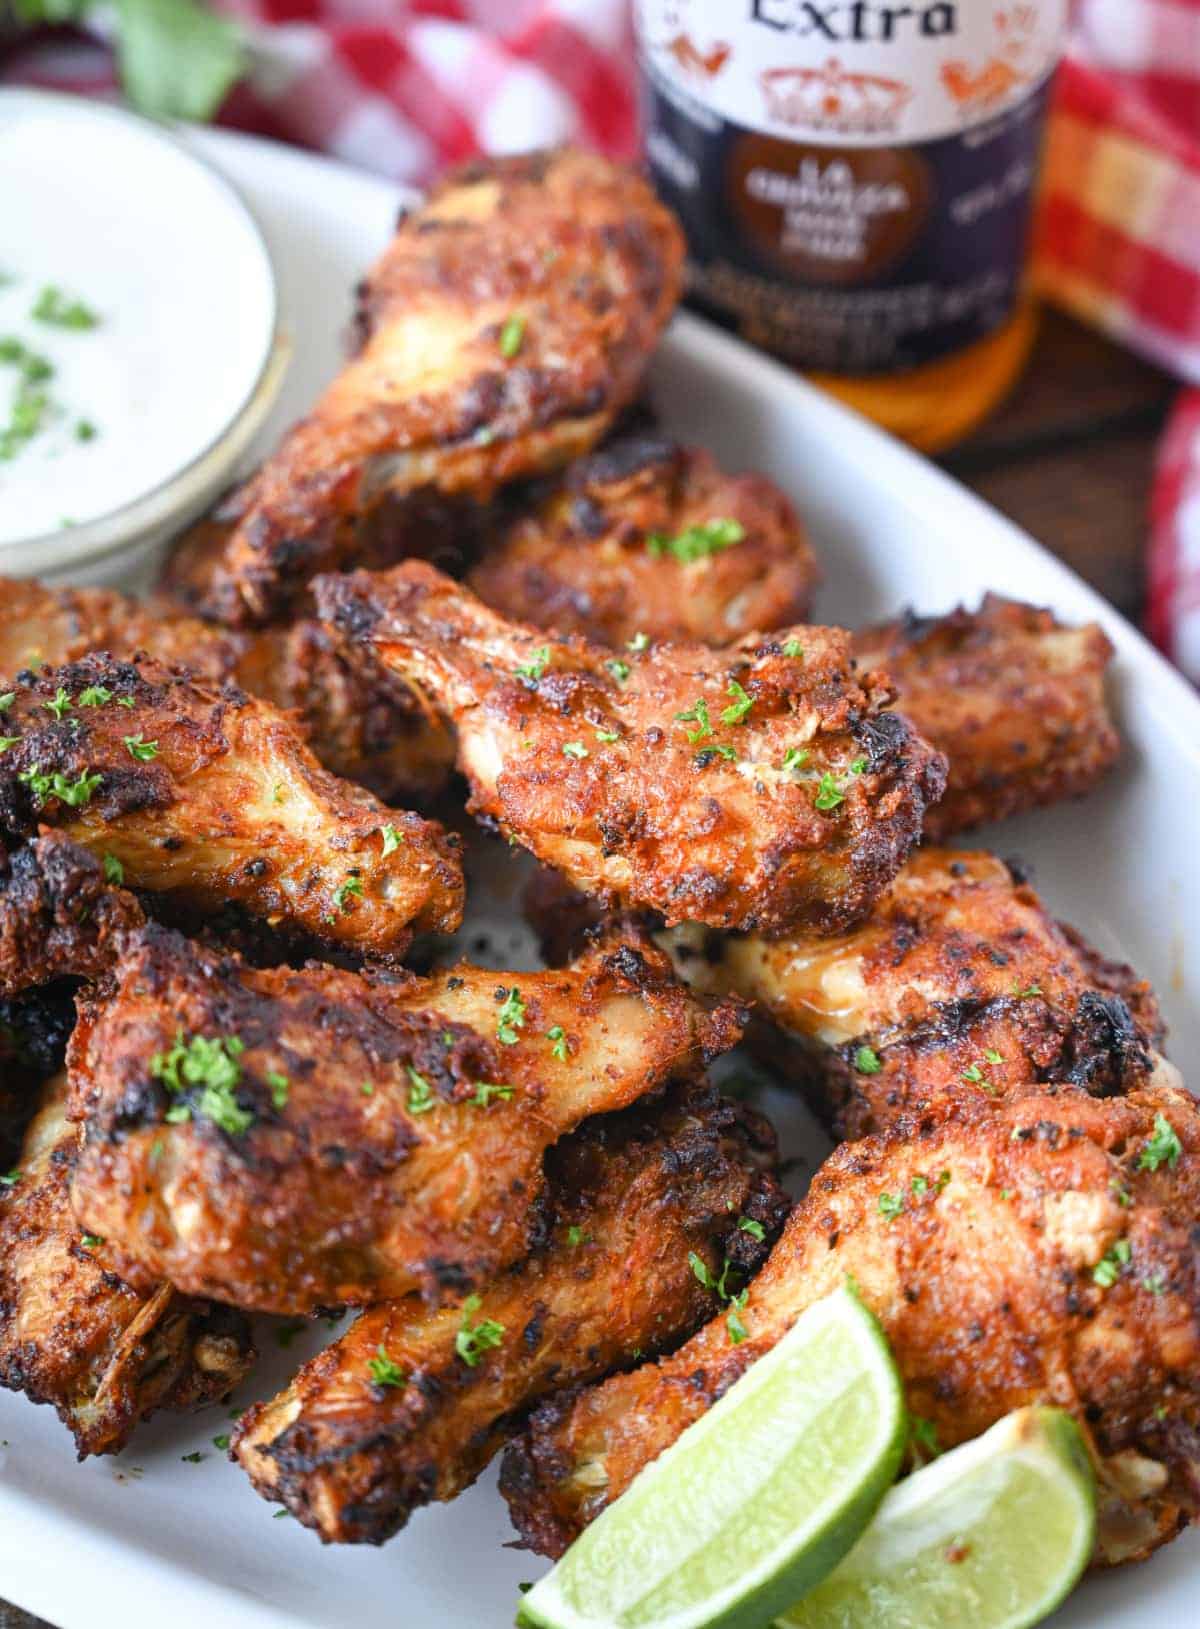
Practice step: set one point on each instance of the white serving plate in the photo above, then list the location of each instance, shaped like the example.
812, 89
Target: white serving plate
98, 1544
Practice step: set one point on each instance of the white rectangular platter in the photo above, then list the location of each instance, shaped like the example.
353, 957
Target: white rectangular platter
147, 1539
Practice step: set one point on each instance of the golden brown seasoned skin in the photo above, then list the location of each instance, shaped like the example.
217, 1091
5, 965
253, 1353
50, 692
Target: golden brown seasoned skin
72, 1333
361, 722
646, 536
1012, 697
59, 916
689, 810
281, 1183
502, 330
981, 1264
208, 794
959, 984
629, 1196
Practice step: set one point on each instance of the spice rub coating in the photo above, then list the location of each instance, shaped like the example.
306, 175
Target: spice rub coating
648, 536
289, 1140
1036, 1252
203, 792
73, 1333
760, 786
499, 335
407, 1407
1013, 697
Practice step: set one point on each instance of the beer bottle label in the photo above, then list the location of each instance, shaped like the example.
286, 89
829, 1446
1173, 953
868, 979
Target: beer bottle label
854, 178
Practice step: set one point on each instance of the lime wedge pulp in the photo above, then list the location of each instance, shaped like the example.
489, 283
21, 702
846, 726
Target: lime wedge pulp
756, 1501
993, 1534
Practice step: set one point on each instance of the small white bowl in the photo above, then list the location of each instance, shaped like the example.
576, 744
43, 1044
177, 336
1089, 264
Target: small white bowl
188, 358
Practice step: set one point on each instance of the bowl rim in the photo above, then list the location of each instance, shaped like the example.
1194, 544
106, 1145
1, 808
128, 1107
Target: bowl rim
188, 486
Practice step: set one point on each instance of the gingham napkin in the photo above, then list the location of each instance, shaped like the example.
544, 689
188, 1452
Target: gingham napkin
407, 88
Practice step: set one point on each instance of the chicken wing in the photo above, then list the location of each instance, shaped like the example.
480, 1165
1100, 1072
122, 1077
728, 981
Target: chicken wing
759, 786
361, 722
59, 915
72, 1333
958, 984
401, 1410
501, 332
207, 794
1037, 1252
289, 1140
1012, 697
646, 536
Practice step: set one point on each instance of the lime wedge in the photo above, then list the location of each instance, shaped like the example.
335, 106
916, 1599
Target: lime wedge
993, 1534
756, 1501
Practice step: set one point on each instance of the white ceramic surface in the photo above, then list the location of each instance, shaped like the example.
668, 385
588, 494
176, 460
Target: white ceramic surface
95, 1545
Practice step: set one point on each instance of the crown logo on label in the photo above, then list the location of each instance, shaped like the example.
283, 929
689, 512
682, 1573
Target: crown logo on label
831, 98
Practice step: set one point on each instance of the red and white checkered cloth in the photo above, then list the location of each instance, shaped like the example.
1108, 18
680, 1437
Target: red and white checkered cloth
406, 87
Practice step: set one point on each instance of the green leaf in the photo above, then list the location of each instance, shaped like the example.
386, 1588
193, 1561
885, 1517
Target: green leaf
177, 60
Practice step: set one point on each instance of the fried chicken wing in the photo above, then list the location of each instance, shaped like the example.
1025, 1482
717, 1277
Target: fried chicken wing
72, 1333
207, 794
502, 330
1013, 698
393, 1414
761, 785
361, 722
59, 915
1037, 1252
287, 1140
646, 536
958, 984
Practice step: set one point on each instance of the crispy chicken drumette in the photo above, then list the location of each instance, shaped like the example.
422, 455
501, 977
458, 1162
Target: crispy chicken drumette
758, 786
646, 536
1013, 698
499, 334
287, 1140
1041, 1251
409, 1406
72, 1333
959, 984
204, 793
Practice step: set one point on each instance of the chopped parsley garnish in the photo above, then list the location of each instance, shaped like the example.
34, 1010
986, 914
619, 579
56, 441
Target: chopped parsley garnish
734, 1300
125, 701
61, 703
1029, 990
510, 1018
733, 1318
279, 1088
1121, 1194
866, 1061
1112, 1264
54, 307
697, 715
973, 1073
485, 1092
535, 666
1155, 1283
560, 1049
75, 794
473, 1340
747, 1224
420, 1093
794, 758
697, 542
384, 1372
212, 1064
10, 1179
94, 696
1163, 1148
352, 888
992, 1056
221, 1441
392, 839
919, 1185
740, 705
639, 643
7, 741
114, 871
620, 670
576, 1236
828, 794
794, 649
608, 736
143, 751
6, 701
512, 337
367, 1088
574, 749
90, 1241
85, 430
193, 1458
890, 1205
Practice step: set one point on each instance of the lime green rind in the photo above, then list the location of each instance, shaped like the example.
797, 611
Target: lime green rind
755, 1502
995, 1533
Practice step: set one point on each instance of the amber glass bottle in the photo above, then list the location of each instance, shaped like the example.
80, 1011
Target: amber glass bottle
855, 179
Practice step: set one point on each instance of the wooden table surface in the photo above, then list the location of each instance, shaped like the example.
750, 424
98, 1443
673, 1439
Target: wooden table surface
1069, 457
